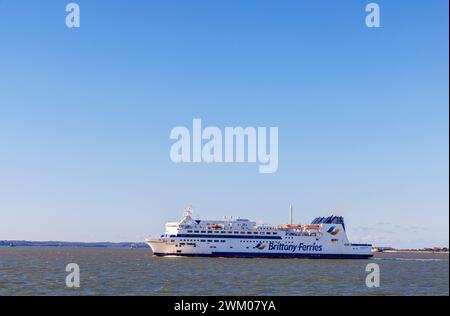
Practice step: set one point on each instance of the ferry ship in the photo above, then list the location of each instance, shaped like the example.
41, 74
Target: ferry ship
324, 237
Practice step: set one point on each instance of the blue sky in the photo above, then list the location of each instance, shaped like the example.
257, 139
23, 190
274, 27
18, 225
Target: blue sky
85, 116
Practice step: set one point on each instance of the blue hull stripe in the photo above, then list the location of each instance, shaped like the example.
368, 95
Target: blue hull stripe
268, 255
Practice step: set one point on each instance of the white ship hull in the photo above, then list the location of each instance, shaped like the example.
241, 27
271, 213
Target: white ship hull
233, 248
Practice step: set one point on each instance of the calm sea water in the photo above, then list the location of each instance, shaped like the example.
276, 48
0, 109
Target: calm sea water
41, 271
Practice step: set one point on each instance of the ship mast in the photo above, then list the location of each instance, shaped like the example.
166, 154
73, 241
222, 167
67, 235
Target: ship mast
290, 214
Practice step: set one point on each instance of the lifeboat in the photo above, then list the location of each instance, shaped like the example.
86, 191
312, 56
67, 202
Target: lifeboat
290, 226
316, 226
216, 226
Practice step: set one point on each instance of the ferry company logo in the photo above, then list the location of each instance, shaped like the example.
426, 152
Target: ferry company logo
333, 230
261, 245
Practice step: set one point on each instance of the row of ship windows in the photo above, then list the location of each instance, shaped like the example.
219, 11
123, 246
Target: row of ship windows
229, 232
219, 240
250, 241
202, 240
193, 245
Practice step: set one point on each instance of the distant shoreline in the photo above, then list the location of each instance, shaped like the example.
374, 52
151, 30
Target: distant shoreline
413, 250
71, 244
417, 250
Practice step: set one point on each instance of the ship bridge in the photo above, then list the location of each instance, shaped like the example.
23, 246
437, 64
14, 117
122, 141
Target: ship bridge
329, 220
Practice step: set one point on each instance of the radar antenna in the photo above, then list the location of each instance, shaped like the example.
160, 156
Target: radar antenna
188, 211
